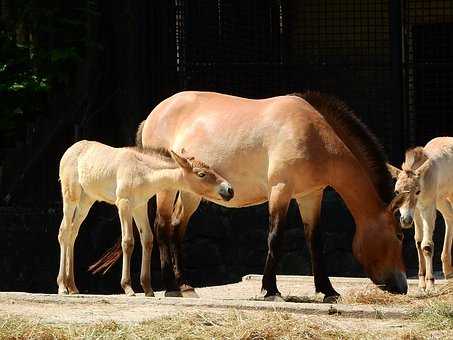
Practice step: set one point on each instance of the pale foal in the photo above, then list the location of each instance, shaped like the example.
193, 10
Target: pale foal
128, 178
426, 183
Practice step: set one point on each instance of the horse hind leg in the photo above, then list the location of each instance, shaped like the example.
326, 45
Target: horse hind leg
80, 214
70, 202
310, 209
446, 255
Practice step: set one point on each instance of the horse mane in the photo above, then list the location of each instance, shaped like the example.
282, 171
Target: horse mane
356, 135
414, 158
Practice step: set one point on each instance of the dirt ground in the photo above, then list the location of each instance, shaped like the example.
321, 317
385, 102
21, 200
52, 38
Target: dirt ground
244, 296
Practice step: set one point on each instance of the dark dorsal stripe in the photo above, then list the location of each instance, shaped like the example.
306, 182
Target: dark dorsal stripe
356, 135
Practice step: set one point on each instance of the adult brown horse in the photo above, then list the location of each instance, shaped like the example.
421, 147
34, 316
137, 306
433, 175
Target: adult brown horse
278, 149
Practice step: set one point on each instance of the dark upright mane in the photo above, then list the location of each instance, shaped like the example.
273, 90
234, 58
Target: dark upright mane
356, 135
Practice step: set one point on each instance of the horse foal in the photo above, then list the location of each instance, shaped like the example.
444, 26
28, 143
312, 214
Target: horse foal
126, 177
426, 185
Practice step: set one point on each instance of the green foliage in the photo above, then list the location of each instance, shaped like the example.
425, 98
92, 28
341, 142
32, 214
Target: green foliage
41, 45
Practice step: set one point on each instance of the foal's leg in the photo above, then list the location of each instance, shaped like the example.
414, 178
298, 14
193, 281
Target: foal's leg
279, 199
447, 212
127, 243
146, 237
428, 216
64, 235
310, 208
81, 213
185, 206
418, 237
162, 228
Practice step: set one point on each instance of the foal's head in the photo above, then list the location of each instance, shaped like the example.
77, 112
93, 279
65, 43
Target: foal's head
203, 180
409, 182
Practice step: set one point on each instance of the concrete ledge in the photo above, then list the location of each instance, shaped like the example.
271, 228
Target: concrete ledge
357, 311
333, 279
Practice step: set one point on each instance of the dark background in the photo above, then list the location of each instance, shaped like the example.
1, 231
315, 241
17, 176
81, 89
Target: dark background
94, 69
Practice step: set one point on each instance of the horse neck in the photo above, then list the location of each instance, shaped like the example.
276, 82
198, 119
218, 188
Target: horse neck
162, 174
356, 189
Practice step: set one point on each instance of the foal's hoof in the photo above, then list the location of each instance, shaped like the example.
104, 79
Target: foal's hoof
449, 276
331, 299
62, 291
149, 294
129, 291
274, 298
173, 293
188, 291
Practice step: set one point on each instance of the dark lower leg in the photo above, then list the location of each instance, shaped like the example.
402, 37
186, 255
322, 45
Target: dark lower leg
322, 281
163, 240
269, 284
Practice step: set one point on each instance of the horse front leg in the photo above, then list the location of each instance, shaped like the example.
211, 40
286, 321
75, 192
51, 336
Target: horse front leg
127, 243
279, 199
185, 206
310, 209
418, 237
428, 217
162, 228
146, 238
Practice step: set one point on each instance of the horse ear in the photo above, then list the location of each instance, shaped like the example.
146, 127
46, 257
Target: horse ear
396, 202
394, 171
422, 168
182, 162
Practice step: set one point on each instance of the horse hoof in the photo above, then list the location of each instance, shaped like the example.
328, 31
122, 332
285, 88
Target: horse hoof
149, 294
189, 294
274, 298
129, 291
73, 292
173, 293
449, 276
63, 291
331, 299
188, 291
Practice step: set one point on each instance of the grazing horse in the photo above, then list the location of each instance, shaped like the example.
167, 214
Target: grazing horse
126, 177
275, 150
426, 181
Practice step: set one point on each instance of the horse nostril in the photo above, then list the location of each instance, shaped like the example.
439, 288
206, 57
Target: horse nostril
230, 192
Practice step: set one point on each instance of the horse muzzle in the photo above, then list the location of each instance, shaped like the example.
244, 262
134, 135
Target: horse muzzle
226, 191
395, 283
406, 222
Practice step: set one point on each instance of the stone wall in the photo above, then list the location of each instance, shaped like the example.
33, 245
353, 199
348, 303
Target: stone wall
221, 246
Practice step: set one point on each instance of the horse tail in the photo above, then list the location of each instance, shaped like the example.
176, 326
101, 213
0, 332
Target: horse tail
138, 136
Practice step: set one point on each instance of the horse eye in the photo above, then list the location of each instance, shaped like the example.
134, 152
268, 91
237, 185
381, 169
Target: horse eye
201, 174
397, 192
417, 193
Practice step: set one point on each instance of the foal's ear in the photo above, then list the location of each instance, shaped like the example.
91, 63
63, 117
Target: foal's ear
422, 168
396, 203
394, 171
182, 162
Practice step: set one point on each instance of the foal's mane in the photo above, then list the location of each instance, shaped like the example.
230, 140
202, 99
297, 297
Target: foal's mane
414, 158
356, 135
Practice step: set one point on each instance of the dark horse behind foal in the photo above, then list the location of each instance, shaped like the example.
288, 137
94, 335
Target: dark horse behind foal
275, 150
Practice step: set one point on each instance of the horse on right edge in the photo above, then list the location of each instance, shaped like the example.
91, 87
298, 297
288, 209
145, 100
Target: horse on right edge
426, 182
